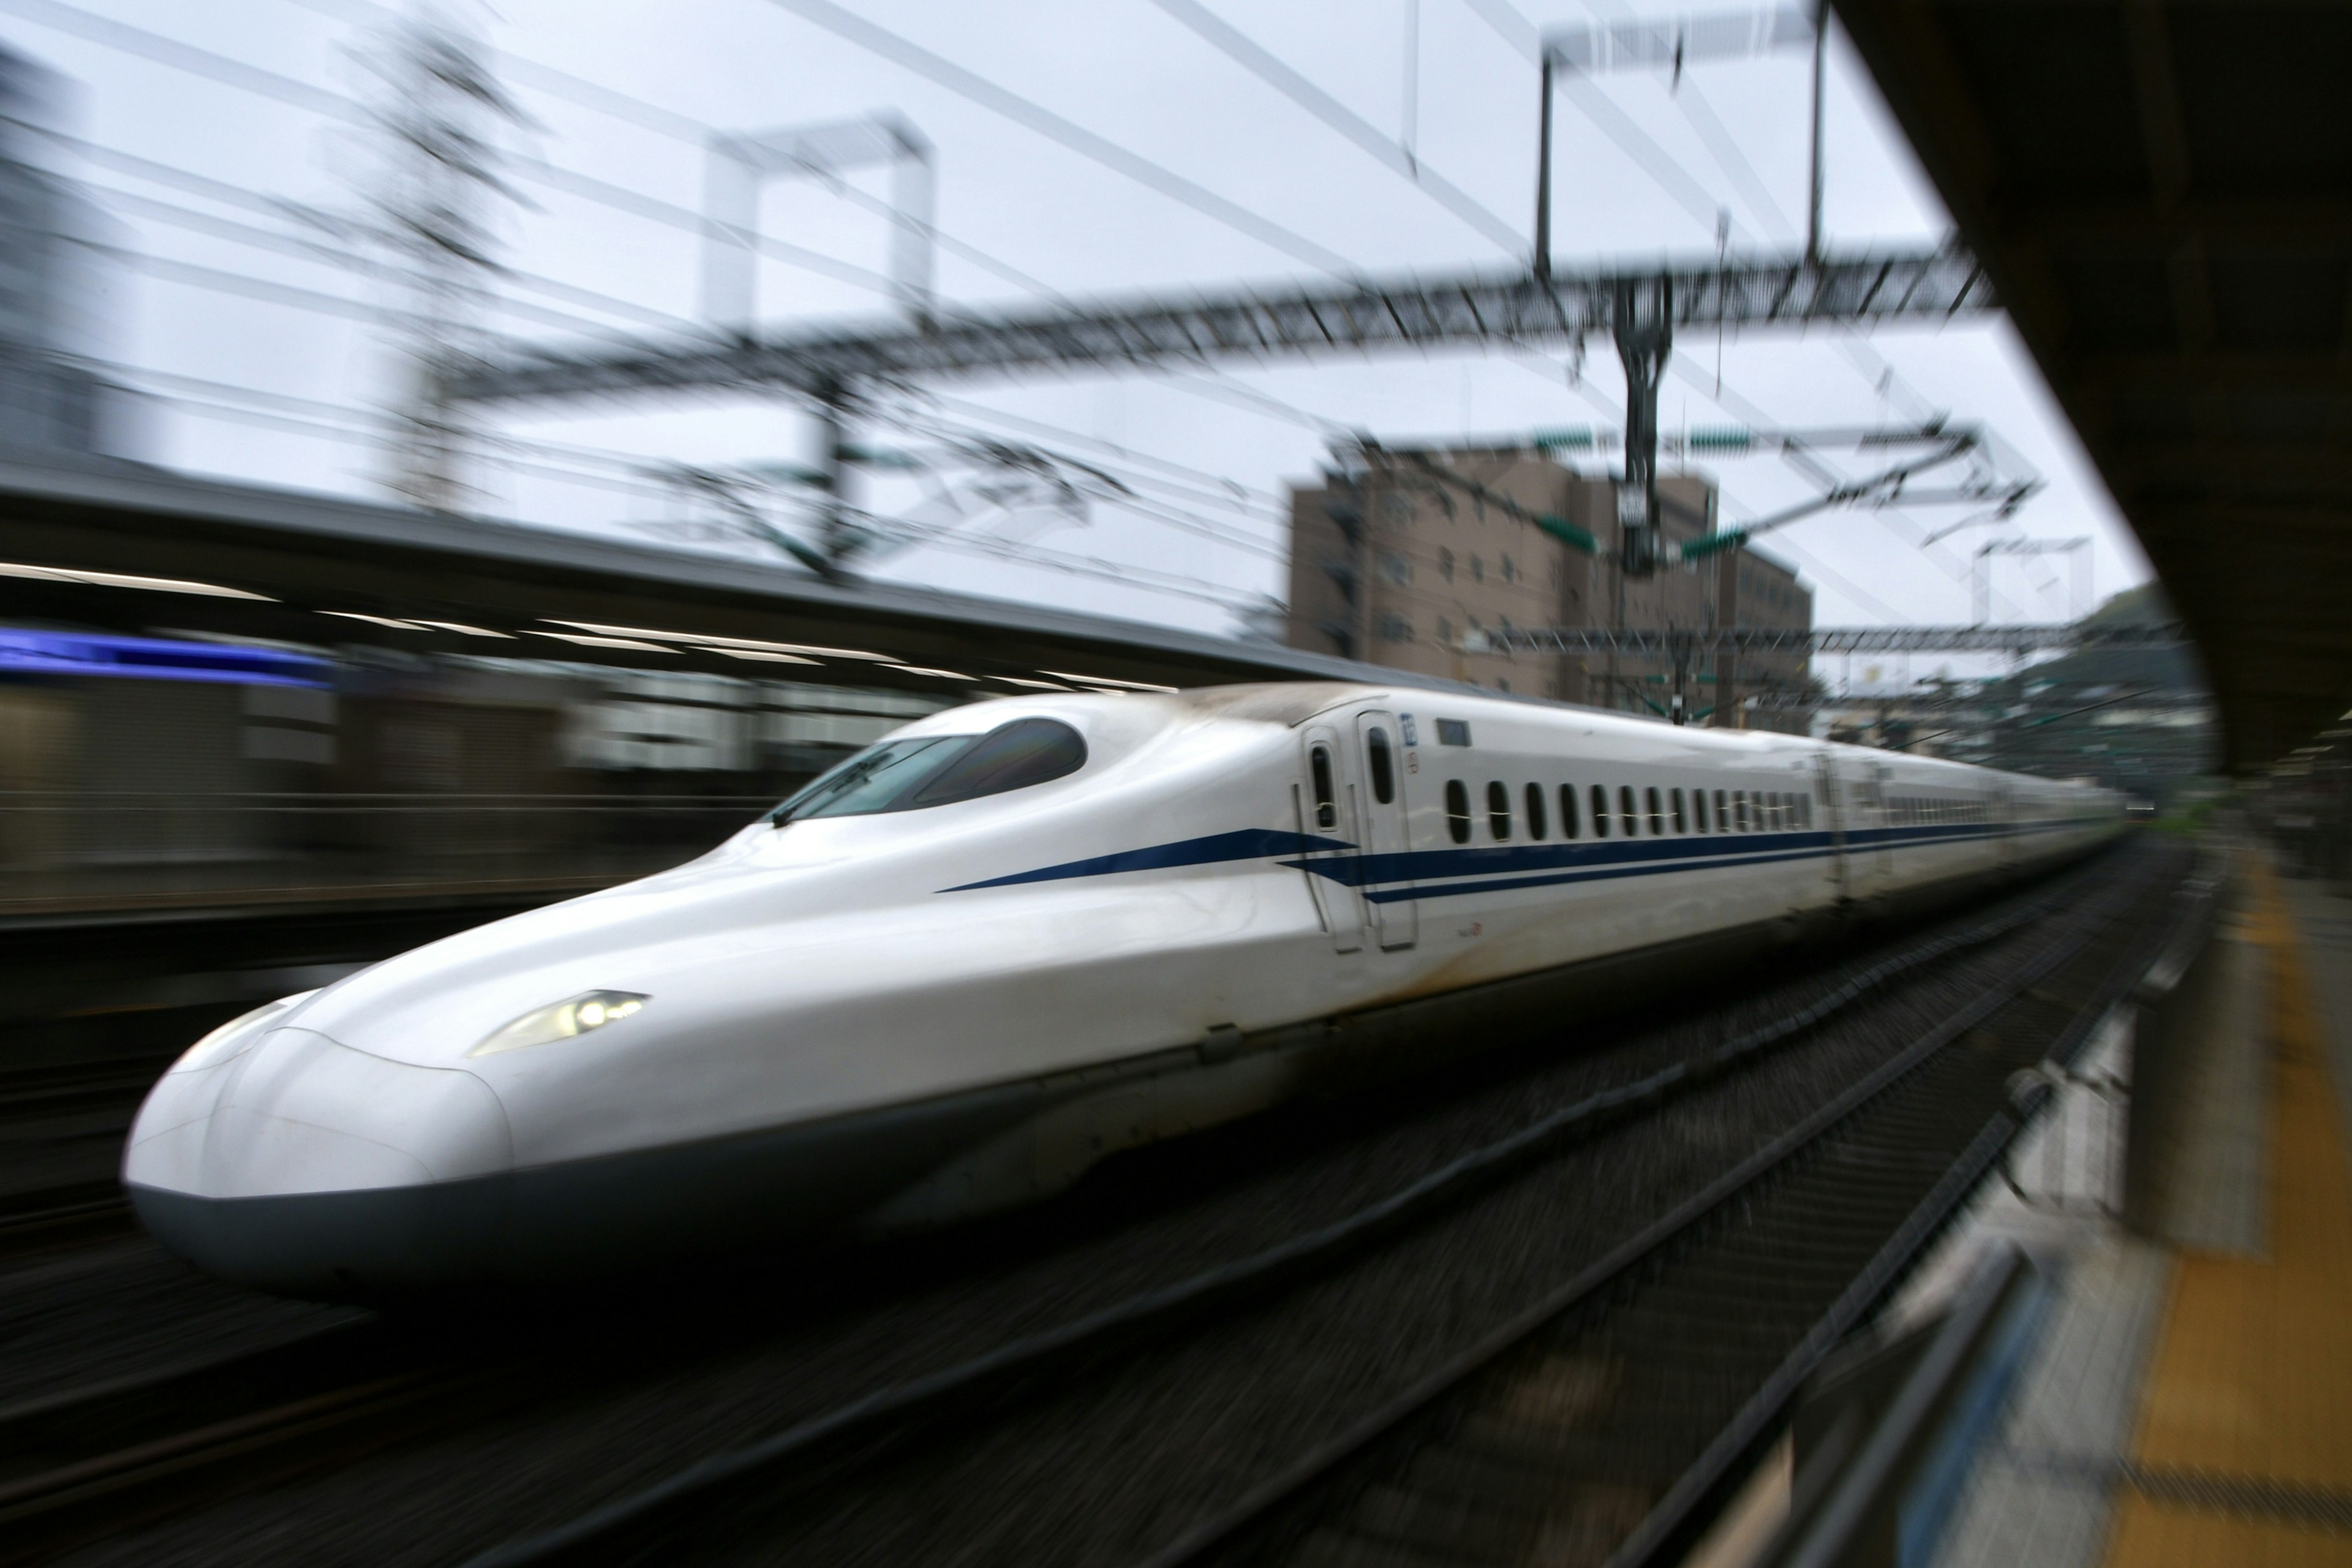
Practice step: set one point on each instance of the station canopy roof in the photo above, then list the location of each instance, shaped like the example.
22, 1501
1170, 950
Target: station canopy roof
2161, 191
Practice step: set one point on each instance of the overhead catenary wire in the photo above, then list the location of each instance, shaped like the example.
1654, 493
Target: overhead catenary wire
1018, 553
1267, 67
533, 75
679, 217
1036, 117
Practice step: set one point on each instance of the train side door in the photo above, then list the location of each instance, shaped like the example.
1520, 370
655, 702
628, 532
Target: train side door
1327, 811
1381, 810
1881, 863
1834, 811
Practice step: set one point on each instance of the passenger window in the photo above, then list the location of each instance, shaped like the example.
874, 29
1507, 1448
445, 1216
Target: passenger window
1457, 811
1498, 810
1599, 812
1679, 825
1699, 809
1657, 813
1722, 817
1632, 818
1378, 762
1535, 811
1739, 807
1568, 811
1327, 800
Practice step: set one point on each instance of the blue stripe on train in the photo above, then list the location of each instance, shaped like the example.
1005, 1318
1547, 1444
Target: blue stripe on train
1244, 844
1447, 873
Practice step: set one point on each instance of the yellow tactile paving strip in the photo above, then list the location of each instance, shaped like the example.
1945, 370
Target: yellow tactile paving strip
2251, 1378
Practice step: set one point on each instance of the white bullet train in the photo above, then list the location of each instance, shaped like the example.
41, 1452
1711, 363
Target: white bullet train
1010, 939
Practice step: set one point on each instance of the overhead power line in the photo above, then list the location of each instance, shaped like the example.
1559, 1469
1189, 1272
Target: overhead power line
1263, 64
1069, 134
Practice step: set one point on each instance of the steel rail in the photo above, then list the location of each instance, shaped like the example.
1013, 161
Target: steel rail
1227, 1531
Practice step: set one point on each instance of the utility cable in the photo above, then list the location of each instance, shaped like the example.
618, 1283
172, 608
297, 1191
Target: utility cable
1270, 69
1054, 127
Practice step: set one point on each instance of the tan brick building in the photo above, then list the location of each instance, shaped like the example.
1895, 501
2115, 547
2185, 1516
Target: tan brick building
1417, 560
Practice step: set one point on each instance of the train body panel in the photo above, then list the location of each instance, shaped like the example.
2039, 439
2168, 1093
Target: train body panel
880, 1016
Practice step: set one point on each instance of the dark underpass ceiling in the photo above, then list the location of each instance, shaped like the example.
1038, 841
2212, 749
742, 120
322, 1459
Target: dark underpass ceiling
2162, 191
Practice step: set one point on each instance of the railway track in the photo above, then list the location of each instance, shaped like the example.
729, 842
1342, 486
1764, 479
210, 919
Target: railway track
117, 1454
673, 1520
1605, 1425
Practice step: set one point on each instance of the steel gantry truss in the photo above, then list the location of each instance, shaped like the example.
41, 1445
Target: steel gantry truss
1670, 641
1485, 309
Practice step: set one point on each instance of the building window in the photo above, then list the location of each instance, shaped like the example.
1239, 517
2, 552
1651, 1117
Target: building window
1395, 628
1510, 573
1498, 812
1395, 568
1477, 570
1535, 811
1445, 564
1457, 811
1599, 812
1444, 632
1568, 811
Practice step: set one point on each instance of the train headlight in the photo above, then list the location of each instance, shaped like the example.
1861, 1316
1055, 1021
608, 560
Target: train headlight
578, 1015
235, 1034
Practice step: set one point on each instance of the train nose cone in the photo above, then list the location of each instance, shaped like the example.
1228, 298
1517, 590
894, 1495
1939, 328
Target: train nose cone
305, 1167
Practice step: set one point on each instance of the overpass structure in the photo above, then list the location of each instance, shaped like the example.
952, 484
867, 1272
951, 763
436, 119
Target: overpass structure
1473, 310
2158, 189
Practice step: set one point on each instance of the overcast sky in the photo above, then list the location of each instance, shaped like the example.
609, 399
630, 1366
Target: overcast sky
1449, 73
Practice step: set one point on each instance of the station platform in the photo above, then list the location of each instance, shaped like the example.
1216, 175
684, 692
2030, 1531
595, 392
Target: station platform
2190, 1399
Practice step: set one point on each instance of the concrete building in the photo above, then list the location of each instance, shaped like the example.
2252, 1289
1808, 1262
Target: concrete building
50, 310
1419, 558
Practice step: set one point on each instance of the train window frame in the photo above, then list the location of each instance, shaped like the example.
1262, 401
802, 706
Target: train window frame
1698, 810
1629, 814
1568, 823
1676, 798
1600, 811
1322, 787
1380, 762
1457, 811
1536, 826
1739, 810
1498, 810
1657, 813
1722, 814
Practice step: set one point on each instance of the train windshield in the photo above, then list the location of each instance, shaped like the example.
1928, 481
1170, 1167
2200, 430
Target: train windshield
937, 770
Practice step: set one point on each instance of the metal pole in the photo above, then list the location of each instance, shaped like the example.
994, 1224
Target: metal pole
1821, 67
1643, 328
832, 437
1543, 178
